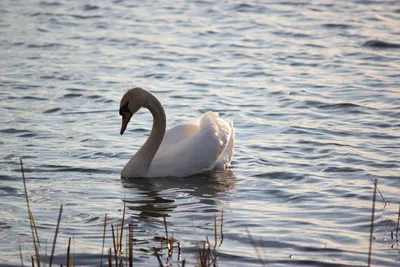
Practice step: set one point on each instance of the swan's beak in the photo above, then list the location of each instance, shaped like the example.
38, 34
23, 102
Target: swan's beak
124, 124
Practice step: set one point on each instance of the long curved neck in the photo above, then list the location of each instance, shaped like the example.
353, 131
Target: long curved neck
141, 161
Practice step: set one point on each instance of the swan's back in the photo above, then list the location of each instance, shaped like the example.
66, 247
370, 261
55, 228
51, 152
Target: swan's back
196, 147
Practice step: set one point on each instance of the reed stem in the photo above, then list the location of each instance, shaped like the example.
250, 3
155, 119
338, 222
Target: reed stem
397, 229
122, 229
215, 231
104, 236
115, 246
166, 229
68, 249
20, 254
55, 235
31, 220
255, 247
372, 223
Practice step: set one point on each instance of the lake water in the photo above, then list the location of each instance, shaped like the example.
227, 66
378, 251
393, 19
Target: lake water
312, 90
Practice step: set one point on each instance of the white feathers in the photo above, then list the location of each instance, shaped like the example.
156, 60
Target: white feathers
195, 147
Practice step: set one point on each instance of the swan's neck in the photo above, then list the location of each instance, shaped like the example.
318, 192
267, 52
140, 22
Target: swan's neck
140, 163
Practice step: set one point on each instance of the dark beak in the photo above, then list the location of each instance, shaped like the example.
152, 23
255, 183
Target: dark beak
125, 121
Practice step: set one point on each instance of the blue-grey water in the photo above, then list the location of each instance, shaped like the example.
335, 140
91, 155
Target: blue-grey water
313, 88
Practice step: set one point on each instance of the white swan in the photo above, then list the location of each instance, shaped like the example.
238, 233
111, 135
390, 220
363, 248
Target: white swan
184, 150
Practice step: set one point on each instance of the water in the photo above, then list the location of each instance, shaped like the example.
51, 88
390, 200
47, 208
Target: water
311, 87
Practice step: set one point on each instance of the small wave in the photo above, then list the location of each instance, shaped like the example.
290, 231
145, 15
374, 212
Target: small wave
83, 218
341, 169
75, 89
336, 25
319, 144
339, 106
8, 190
86, 17
345, 106
185, 97
41, 29
280, 176
43, 3
4, 226
28, 135
315, 45
301, 131
52, 110
71, 95
14, 131
18, 43
380, 44
94, 96
88, 7
155, 75
34, 98
55, 168
292, 34
249, 8
44, 45
7, 178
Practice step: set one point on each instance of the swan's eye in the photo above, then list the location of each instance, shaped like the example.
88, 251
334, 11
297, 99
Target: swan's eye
125, 109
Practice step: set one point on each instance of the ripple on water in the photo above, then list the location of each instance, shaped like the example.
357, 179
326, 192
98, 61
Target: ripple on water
71, 95
309, 85
14, 131
52, 110
280, 176
380, 44
35, 98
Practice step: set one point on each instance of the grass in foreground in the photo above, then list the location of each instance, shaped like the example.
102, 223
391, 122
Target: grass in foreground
121, 254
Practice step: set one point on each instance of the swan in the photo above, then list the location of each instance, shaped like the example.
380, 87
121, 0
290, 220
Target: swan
183, 150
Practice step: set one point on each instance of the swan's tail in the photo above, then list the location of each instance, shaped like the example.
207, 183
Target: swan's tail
224, 161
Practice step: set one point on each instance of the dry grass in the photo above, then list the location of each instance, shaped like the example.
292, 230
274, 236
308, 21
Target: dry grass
121, 257
116, 256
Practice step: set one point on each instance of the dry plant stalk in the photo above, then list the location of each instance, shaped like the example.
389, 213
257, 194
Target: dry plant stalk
115, 246
372, 223
165, 226
397, 229
130, 242
20, 254
31, 220
255, 247
68, 248
379, 191
109, 258
206, 256
104, 236
158, 256
215, 231
222, 223
171, 245
55, 235
122, 229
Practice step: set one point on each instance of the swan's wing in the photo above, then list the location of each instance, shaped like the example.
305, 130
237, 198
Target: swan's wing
195, 154
179, 133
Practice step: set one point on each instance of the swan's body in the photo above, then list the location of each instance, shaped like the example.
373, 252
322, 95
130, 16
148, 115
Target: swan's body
184, 150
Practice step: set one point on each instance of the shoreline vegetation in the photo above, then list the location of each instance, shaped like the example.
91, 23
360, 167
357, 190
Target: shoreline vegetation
170, 249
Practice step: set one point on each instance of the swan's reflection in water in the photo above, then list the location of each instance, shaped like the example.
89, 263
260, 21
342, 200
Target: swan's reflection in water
158, 197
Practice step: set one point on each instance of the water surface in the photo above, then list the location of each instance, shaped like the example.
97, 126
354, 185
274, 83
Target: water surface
313, 90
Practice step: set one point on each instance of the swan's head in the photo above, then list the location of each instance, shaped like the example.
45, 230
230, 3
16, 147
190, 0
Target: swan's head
131, 102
